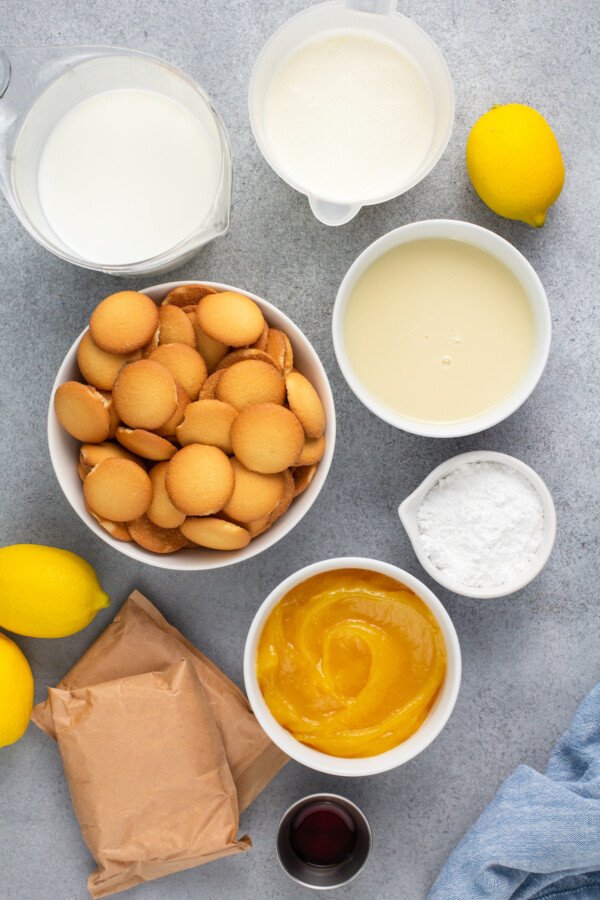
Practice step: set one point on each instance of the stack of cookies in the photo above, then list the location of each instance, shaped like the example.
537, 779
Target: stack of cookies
196, 429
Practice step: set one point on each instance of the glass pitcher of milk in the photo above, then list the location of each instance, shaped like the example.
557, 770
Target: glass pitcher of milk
112, 159
352, 104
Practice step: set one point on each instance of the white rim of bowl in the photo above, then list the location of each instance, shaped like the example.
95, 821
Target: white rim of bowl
300, 507
263, 146
505, 252
407, 512
354, 766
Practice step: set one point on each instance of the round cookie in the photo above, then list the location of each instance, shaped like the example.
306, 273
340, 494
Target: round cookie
312, 452
245, 353
279, 349
267, 438
217, 534
259, 526
91, 455
98, 367
113, 418
303, 475
161, 511
250, 381
152, 344
261, 342
287, 495
211, 351
254, 495
306, 404
144, 394
124, 322
168, 429
174, 327
185, 365
118, 530
199, 480
231, 318
187, 294
145, 443
209, 388
82, 411
118, 490
152, 537
207, 422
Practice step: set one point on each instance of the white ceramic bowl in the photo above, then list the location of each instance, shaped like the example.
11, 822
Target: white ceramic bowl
64, 450
408, 516
383, 762
494, 245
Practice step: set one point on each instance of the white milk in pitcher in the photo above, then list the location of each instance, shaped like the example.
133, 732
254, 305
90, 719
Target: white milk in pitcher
126, 175
348, 117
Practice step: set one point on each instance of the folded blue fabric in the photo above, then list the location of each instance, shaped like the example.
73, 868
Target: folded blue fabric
540, 835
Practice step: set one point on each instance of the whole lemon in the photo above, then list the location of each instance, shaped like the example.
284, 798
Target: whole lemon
16, 692
46, 592
515, 163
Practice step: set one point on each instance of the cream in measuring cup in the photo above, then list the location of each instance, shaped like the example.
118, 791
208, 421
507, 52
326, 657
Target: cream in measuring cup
351, 103
127, 174
349, 116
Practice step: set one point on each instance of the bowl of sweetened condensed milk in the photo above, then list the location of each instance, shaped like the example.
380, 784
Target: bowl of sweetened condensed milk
441, 328
352, 666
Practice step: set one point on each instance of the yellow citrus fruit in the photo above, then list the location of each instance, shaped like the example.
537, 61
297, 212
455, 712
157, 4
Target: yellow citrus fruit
515, 163
16, 692
46, 592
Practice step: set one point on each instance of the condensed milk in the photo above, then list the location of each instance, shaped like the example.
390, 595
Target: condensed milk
439, 330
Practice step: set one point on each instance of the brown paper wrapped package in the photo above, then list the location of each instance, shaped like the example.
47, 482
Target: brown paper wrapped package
140, 640
148, 775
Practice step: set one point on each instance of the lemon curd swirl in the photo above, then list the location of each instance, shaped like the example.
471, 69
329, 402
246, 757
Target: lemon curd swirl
350, 662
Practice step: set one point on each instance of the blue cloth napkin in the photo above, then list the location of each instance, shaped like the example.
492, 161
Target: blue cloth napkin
540, 835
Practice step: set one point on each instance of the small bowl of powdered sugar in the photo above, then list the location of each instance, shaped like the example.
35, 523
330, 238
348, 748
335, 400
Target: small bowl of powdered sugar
482, 524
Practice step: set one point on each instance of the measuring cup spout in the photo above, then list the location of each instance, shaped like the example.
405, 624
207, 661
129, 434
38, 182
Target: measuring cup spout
333, 213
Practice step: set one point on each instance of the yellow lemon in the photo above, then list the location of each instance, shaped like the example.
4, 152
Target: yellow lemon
515, 163
16, 692
46, 592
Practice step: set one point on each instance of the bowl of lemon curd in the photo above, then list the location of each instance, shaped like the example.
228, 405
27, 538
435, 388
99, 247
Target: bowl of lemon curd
441, 328
352, 666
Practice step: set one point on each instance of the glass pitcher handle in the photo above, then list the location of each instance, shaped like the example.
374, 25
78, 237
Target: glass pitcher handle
24, 72
378, 7
4, 72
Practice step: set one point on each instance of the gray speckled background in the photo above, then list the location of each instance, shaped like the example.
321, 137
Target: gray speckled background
529, 658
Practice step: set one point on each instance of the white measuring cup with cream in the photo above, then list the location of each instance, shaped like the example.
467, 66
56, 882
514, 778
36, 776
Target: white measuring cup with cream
352, 104
112, 159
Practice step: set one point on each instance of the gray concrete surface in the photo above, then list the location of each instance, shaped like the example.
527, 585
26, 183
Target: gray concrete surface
529, 658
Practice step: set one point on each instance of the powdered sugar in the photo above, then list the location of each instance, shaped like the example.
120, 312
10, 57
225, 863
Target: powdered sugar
482, 524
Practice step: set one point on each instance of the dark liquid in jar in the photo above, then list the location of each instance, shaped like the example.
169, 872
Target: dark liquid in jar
323, 834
